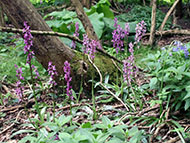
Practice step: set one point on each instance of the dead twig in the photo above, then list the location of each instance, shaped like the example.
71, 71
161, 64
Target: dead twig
168, 14
100, 82
28, 104
12, 123
173, 140
74, 105
36, 32
51, 33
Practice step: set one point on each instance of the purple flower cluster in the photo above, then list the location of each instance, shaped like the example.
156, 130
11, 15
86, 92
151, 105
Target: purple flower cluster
89, 46
118, 35
129, 67
52, 73
68, 78
20, 88
73, 44
27, 48
140, 31
28, 42
181, 47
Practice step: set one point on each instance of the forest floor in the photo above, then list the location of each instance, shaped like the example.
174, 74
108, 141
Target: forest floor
12, 116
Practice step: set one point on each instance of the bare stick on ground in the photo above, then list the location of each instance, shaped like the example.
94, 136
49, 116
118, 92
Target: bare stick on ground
168, 14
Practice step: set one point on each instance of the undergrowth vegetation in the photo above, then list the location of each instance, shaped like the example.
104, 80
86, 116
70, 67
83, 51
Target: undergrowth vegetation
147, 79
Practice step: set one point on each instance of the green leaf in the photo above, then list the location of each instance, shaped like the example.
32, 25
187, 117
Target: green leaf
117, 132
65, 137
115, 140
153, 83
110, 23
22, 131
87, 125
187, 104
106, 121
106, 11
52, 126
28, 138
187, 96
133, 131
65, 14
64, 119
98, 24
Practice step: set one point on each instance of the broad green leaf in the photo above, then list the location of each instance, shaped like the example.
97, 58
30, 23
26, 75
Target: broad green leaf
187, 104
187, 96
65, 137
65, 14
98, 24
55, 23
110, 23
133, 131
106, 121
64, 119
87, 125
153, 83
106, 11
51, 125
22, 131
115, 140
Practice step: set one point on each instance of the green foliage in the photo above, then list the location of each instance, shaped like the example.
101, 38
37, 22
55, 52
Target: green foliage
14, 54
64, 21
170, 77
5, 38
101, 7
139, 13
83, 133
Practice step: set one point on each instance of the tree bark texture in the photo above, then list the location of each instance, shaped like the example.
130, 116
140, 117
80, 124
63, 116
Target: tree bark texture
50, 48
153, 23
86, 3
46, 48
84, 19
2, 21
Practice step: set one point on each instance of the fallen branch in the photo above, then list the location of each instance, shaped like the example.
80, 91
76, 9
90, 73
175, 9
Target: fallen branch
74, 105
29, 104
173, 140
171, 32
12, 123
168, 14
36, 32
51, 33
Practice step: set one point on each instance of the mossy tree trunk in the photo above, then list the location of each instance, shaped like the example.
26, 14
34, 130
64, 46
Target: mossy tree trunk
50, 48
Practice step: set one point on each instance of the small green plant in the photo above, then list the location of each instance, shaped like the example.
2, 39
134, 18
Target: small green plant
169, 69
83, 133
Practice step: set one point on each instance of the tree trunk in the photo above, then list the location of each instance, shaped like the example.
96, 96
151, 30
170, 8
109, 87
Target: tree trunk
84, 19
2, 21
50, 48
153, 23
86, 3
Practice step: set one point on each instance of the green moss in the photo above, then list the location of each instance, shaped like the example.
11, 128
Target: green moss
104, 64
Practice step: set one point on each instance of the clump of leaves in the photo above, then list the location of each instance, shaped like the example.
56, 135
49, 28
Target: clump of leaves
102, 132
169, 69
